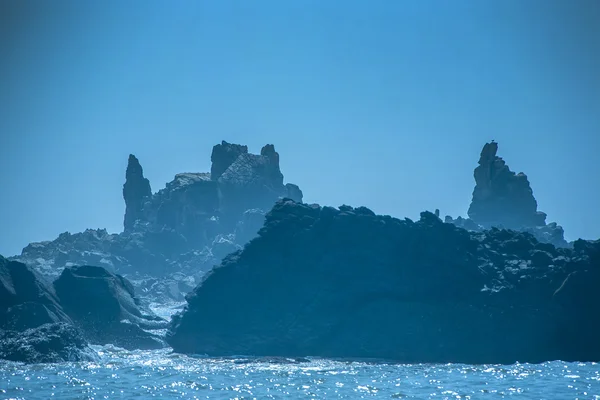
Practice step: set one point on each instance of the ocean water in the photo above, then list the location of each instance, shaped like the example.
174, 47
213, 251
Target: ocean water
121, 374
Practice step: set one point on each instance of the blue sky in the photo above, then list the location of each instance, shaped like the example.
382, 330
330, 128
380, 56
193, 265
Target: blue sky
378, 103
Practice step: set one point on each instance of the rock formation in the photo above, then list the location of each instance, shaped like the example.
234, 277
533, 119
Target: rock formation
48, 343
104, 306
40, 322
189, 206
135, 192
26, 301
251, 181
201, 206
174, 236
502, 198
320, 281
33, 325
223, 155
303, 280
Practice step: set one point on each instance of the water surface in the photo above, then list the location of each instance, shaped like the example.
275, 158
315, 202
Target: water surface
121, 374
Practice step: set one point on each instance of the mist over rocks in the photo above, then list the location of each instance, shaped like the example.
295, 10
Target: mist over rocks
327, 282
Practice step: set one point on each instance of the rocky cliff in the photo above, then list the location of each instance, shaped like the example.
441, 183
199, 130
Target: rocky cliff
320, 281
201, 206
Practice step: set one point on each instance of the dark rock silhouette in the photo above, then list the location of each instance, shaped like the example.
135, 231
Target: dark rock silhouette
26, 300
306, 280
33, 326
251, 181
48, 343
320, 281
104, 306
135, 192
223, 155
503, 199
294, 192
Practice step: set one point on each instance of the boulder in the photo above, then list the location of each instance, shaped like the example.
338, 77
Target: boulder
26, 300
49, 343
222, 156
326, 282
104, 306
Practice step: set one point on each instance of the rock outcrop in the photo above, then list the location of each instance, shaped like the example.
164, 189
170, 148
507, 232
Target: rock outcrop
26, 300
93, 304
327, 282
180, 232
222, 156
504, 199
104, 306
33, 326
251, 181
48, 343
136, 191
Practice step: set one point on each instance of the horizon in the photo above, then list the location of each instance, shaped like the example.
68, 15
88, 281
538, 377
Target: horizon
385, 106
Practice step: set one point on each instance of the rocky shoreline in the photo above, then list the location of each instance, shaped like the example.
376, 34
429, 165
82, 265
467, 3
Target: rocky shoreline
52, 322
304, 280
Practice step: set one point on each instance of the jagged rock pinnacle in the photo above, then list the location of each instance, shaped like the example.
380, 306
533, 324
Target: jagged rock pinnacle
502, 198
135, 190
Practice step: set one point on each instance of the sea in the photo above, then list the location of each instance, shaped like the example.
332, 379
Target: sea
163, 374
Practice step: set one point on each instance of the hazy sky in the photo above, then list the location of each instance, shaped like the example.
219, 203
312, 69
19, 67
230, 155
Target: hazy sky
378, 103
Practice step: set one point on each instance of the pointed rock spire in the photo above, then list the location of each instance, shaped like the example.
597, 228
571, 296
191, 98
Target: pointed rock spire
135, 190
501, 197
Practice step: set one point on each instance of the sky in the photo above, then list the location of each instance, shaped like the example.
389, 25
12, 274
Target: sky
378, 103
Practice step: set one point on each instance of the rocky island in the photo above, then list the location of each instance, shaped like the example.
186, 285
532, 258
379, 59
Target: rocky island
348, 283
266, 275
